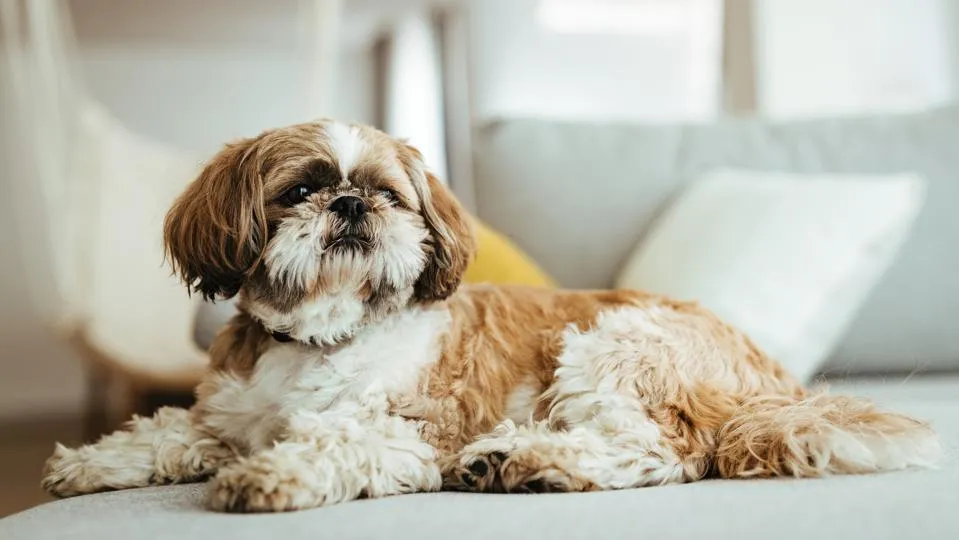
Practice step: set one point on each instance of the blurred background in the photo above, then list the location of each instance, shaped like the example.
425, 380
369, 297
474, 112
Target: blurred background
109, 106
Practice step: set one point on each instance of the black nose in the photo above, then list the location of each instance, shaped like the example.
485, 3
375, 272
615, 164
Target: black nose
349, 207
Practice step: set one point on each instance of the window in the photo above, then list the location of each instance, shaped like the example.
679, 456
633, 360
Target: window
597, 59
836, 57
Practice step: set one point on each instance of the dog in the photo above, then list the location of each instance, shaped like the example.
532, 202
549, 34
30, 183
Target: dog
358, 366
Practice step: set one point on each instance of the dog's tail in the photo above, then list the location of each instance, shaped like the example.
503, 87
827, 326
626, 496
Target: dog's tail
819, 436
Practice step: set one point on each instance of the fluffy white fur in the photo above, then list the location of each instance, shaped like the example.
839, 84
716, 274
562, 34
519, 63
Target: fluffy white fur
330, 414
400, 257
347, 144
167, 448
522, 401
292, 378
316, 428
324, 320
294, 255
327, 458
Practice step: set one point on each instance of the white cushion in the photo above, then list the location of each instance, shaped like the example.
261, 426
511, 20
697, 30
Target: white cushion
787, 258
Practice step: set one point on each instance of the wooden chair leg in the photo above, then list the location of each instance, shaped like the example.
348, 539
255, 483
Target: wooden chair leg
111, 400
96, 418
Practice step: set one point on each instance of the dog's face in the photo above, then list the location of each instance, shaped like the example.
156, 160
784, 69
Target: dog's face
319, 209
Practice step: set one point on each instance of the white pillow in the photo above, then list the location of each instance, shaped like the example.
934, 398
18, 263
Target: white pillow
787, 258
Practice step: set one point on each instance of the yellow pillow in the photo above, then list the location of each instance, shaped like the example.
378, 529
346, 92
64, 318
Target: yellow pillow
498, 260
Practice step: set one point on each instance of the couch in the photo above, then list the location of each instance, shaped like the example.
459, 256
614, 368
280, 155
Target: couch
902, 350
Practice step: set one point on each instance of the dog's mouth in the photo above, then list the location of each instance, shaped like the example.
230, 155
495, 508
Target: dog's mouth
351, 242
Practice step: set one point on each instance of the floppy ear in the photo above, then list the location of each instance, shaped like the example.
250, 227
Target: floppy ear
452, 239
216, 230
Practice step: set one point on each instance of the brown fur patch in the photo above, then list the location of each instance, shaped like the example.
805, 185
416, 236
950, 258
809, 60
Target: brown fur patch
217, 228
453, 241
502, 337
238, 345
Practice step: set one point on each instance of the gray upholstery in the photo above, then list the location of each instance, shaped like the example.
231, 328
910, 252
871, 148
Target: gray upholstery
894, 506
578, 197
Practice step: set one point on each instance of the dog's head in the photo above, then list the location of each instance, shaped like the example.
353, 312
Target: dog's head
319, 210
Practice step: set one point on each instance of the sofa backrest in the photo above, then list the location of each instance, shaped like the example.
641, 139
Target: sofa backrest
579, 196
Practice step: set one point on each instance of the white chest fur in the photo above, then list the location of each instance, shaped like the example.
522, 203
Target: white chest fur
381, 361
323, 320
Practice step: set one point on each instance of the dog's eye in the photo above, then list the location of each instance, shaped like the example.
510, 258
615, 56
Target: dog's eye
297, 194
390, 195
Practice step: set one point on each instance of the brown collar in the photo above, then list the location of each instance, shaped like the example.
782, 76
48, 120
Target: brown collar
282, 337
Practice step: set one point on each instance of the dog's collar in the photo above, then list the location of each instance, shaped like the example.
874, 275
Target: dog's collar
285, 337
282, 337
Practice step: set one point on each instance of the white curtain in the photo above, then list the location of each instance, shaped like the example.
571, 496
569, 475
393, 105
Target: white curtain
103, 193
46, 116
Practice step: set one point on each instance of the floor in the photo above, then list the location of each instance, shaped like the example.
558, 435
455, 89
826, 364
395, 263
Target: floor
26, 444
23, 449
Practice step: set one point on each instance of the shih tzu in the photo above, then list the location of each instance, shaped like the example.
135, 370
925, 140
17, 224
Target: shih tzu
359, 367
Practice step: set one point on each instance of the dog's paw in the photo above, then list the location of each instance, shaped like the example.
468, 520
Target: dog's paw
500, 472
509, 463
70, 472
63, 474
476, 471
262, 483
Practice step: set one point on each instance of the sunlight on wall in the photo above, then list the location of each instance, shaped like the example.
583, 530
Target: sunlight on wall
625, 17
838, 57
597, 59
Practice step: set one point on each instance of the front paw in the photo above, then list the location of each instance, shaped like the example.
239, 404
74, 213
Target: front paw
70, 472
265, 483
475, 472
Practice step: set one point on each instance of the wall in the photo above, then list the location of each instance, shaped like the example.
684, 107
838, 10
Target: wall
841, 57
951, 20
188, 75
813, 57
655, 61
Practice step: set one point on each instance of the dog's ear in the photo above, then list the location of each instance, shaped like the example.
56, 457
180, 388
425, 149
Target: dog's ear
216, 230
452, 240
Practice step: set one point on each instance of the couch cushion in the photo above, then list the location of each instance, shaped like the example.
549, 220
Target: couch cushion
911, 504
579, 196
787, 258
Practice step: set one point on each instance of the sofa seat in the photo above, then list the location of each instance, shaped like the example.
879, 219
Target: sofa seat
911, 504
